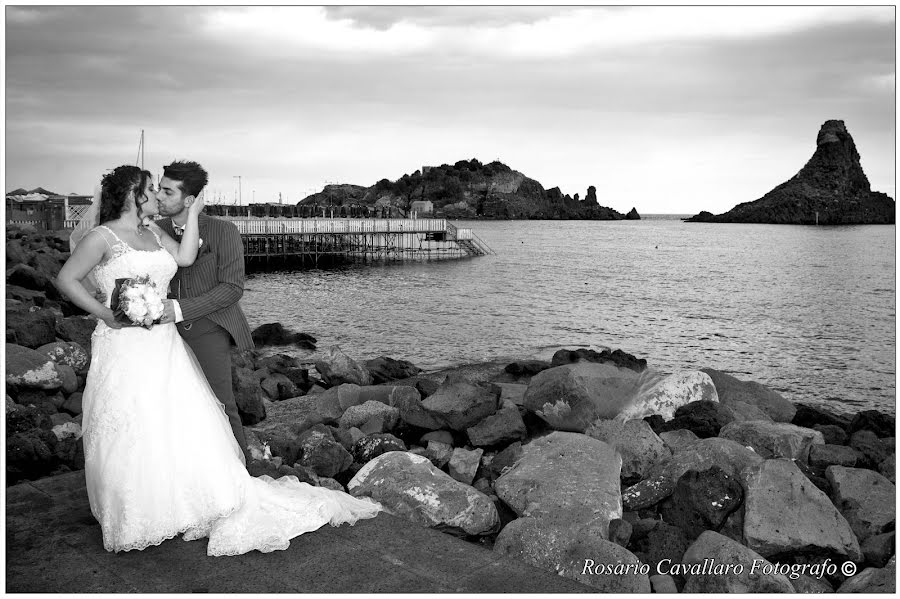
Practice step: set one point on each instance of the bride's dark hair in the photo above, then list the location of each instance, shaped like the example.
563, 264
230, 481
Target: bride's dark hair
116, 188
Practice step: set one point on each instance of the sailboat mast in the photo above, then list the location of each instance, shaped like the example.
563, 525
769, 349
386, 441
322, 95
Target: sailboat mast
140, 156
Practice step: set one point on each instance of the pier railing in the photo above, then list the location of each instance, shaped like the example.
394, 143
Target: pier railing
263, 226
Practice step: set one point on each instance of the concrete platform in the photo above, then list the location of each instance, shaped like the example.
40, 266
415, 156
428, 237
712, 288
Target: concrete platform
53, 544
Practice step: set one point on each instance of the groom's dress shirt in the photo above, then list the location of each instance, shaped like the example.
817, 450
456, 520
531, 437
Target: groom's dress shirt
179, 232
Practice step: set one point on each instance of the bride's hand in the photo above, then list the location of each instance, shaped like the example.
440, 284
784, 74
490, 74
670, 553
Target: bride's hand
197, 205
112, 323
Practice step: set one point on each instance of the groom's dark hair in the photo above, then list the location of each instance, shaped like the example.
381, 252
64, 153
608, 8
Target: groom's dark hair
192, 176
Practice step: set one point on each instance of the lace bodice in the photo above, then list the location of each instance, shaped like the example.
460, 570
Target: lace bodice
125, 261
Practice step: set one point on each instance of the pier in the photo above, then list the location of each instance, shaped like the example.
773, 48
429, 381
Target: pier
273, 242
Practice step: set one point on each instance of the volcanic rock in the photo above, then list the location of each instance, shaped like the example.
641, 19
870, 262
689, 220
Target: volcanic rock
702, 500
336, 367
504, 426
831, 189
572, 552
568, 476
865, 498
883, 425
711, 547
571, 397
409, 486
785, 513
384, 369
638, 445
774, 439
730, 456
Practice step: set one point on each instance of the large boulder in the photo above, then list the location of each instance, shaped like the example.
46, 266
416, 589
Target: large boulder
332, 402
502, 427
678, 439
567, 476
774, 439
458, 404
822, 456
373, 445
880, 423
45, 264
657, 543
30, 454
15, 253
571, 397
274, 333
704, 418
731, 389
336, 367
615, 357
666, 395
865, 498
702, 500
284, 422
409, 486
786, 513
278, 386
711, 566
810, 416
31, 328
392, 395
384, 369
68, 353
639, 446
873, 580
248, 395
30, 369
572, 552
463, 464
78, 329
319, 451
29, 277
731, 457
370, 417
876, 450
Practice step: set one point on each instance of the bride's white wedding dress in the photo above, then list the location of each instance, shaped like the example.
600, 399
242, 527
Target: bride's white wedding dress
160, 456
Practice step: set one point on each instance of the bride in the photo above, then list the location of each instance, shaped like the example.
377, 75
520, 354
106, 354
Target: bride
160, 455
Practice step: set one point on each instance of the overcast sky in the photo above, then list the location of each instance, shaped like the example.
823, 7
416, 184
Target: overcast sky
666, 109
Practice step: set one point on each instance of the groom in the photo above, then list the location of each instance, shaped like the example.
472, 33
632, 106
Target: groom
206, 294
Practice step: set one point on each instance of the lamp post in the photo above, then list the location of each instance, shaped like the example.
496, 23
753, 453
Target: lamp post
240, 198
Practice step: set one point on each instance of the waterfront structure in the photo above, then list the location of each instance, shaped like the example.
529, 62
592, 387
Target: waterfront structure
322, 241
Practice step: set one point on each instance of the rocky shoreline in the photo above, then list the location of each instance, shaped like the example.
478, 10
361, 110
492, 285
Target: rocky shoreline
591, 465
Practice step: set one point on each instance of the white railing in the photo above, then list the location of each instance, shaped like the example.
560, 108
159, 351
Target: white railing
264, 226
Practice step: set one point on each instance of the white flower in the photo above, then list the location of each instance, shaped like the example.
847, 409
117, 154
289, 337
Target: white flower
201, 244
136, 310
156, 310
132, 292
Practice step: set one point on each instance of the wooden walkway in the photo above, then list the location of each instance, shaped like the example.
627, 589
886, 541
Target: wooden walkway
318, 241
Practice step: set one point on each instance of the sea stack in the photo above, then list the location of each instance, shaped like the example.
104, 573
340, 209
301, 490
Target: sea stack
831, 189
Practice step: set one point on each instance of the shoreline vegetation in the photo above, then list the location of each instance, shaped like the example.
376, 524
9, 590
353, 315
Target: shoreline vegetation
588, 456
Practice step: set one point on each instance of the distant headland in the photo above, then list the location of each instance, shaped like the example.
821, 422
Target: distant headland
831, 189
468, 189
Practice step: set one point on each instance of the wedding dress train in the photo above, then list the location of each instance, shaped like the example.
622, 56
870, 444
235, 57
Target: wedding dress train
160, 456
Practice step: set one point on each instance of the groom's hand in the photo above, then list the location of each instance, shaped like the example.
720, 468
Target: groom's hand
168, 312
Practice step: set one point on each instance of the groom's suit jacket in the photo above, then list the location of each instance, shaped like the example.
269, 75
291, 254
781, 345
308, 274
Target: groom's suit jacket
211, 287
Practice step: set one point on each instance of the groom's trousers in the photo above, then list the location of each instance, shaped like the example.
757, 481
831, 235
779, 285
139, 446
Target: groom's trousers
212, 346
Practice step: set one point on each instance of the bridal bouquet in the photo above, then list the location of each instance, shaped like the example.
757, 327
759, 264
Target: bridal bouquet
136, 302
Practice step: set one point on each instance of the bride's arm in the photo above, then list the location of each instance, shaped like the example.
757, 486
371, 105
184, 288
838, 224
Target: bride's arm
87, 254
185, 252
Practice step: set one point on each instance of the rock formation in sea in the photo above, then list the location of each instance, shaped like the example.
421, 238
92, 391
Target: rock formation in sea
831, 189
467, 189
